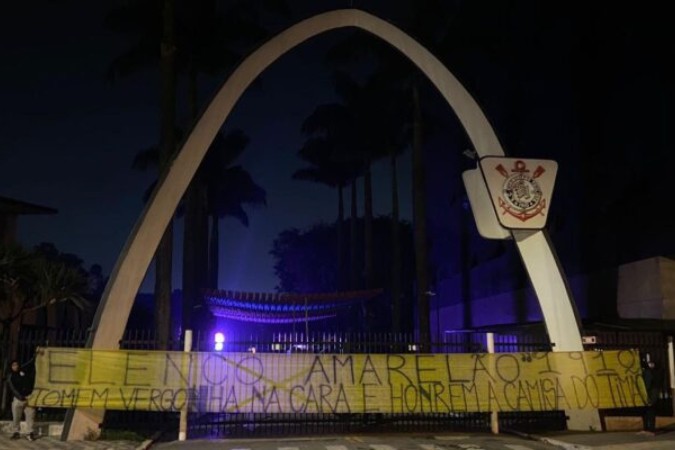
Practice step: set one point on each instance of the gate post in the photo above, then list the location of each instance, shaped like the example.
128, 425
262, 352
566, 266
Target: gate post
671, 371
182, 427
494, 418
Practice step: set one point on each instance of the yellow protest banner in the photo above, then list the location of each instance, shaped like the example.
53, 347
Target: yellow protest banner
337, 383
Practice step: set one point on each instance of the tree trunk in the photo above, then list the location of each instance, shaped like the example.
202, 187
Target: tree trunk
367, 240
167, 146
163, 274
419, 225
368, 226
214, 245
341, 278
396, 269
353, 270
195, 231
195, 248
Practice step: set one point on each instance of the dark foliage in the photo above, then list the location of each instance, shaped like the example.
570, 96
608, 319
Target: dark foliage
306, 261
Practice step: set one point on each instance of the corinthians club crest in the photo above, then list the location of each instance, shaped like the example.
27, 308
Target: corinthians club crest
520, 190
521, 194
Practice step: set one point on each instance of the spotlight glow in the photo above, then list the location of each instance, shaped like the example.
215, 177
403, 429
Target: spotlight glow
219, 340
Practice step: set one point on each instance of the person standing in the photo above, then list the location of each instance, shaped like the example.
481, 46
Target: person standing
21, 385
652, 377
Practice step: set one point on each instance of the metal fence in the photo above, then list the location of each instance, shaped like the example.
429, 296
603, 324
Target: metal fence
654, 343
259, 424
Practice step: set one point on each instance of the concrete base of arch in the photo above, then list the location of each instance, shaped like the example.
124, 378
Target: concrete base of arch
125, 280
557, 308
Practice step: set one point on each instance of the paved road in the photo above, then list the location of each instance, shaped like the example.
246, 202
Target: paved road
52, 443
389, 442
453, 441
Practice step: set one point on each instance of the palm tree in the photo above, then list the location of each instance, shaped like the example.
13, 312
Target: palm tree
226, 189
206, 39
369, 124
389, 134
229, 188
214, 41
336, 125
157, 39
317, 151
357, 102
428, 23
344, 124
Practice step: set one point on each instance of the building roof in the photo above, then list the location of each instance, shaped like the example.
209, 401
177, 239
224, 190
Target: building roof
264, 307
12, 206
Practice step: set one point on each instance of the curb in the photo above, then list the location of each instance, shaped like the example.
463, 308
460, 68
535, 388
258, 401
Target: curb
554, 442
51, 429
561, 444
146, 444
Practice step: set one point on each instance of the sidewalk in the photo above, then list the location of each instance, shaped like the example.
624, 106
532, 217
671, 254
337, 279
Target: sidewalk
608, 440
424, 441
54, 443
567, 440
48, 440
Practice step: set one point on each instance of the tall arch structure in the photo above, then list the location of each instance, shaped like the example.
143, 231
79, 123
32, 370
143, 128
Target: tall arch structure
113, 312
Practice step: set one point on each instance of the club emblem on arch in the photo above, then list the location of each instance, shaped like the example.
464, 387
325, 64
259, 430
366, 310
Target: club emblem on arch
521, 194
520, 190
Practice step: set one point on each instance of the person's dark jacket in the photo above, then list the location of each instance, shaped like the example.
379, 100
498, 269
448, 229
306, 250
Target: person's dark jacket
21, 384
653, 378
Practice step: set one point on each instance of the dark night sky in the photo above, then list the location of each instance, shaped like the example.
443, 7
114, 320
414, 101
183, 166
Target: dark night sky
68, 137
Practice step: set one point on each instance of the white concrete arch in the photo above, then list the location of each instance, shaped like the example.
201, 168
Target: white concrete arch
113, 312
127, 276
